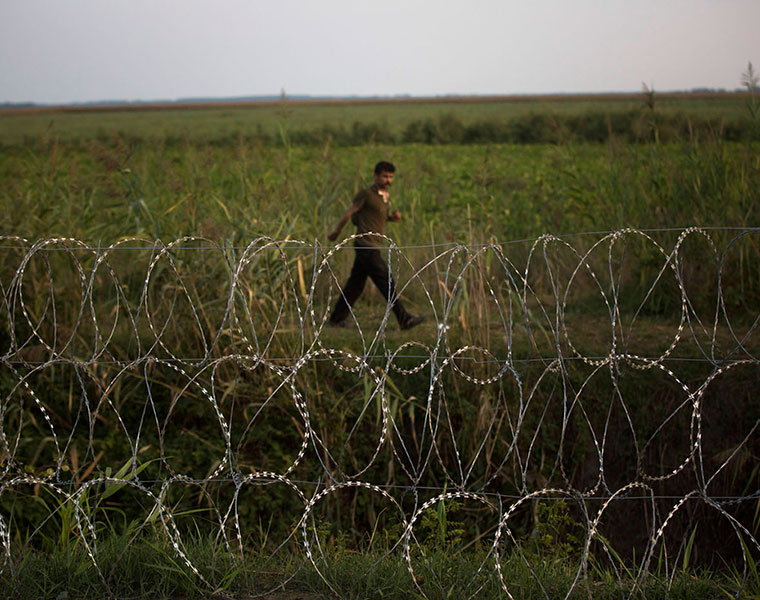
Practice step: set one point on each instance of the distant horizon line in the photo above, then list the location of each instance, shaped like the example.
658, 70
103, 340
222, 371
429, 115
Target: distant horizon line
283, 97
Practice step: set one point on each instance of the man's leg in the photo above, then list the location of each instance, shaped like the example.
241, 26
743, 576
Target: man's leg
377, 269
352, 290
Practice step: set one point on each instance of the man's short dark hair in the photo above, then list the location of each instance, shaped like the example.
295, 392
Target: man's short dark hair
384, 167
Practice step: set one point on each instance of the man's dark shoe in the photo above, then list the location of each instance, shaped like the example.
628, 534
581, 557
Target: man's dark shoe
412, 322
339, 324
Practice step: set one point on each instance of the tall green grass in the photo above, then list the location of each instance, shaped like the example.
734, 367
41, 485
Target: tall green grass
148, 569
105, 190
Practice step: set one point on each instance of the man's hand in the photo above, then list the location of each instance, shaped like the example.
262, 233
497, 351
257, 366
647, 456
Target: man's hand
333, 235
395, 216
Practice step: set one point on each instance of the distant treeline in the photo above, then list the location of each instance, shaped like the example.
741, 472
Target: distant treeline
399, 123
631, 126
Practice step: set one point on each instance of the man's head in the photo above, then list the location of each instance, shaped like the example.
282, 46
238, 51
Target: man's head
384, 174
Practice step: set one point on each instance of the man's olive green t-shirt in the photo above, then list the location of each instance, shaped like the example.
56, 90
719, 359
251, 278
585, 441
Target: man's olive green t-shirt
371, 216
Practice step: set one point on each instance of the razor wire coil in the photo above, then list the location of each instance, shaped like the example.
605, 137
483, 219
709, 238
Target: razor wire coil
177, 315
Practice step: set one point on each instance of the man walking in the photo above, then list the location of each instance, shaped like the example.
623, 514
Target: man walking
369, 211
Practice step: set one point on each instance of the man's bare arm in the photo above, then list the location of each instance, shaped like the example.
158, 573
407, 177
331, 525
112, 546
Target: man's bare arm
394, 216
350, 211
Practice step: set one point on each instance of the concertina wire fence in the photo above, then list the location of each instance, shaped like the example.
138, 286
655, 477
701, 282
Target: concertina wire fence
142, 374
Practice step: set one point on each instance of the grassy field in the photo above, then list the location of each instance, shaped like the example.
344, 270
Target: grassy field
391, 117
148, 571
104, 190
229, 175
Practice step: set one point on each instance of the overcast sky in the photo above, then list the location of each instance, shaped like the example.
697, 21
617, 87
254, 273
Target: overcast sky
55, 51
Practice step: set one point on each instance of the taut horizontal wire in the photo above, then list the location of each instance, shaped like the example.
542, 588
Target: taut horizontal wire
197, 361
284, 244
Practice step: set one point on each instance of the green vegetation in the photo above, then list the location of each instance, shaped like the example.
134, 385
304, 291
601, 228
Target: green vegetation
233, 175
105, 190
527, 119
145, 573
144, 565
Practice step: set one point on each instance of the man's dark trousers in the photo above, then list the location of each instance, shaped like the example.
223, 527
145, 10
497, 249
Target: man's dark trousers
368, 262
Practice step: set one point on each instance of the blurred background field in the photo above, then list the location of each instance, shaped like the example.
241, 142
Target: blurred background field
289, 169
389, 120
